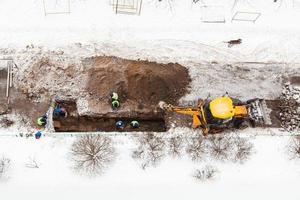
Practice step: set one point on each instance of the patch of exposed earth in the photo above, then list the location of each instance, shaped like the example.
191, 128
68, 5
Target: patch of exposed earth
140, 85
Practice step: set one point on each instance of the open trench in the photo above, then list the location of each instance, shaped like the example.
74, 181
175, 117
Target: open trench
74, 122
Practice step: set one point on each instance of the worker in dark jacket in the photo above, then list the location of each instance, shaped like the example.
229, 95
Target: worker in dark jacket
120, 124
38, 135
59, 111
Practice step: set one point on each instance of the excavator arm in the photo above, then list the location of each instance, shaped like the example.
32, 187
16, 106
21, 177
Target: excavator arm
197, 114
223, 108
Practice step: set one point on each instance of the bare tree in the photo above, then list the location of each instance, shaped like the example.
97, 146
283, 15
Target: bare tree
32, 163
220, 147
206, 173
175, 146
92, 153
243, 149
150, 150
4, 166
293, 147
196, 147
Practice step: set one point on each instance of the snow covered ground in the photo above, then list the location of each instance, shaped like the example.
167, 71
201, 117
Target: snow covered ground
158, 32
268, 174
165, 34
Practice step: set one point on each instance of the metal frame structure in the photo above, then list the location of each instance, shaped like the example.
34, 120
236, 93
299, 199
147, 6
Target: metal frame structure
235, 3
286, 4
9, 80
236, 16
130, 7
67, 11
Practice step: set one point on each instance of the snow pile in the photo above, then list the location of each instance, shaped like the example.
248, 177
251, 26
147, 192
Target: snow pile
289, 108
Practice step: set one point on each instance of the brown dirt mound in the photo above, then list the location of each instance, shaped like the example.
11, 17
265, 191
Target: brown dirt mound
139, 81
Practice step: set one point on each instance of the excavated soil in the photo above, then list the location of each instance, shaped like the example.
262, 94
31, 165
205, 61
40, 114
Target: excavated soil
143, 82
27, 108
140, 85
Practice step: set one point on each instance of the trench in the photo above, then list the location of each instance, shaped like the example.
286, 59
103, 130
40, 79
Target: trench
152, 122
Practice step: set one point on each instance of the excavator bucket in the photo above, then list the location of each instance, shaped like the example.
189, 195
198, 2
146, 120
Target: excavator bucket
259, 112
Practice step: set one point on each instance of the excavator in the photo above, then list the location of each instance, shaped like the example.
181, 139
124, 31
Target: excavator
222, 112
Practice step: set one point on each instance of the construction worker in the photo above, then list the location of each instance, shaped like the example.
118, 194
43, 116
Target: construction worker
115, 104
134, 124
120, 124
38, 135
114, 96
114, 100
59, 111
42, 121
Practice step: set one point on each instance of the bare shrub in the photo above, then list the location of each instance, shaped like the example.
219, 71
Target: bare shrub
32, 163
150, 150
293, 148
5, 122
206, 173
92, 153
4, 166
243, 149
196, 147
175, 146
220, 147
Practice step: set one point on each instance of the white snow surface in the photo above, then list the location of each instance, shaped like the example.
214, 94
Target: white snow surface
158, 33
163, 34
268, 174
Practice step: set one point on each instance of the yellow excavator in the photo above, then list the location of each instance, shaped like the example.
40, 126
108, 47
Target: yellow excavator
223, 112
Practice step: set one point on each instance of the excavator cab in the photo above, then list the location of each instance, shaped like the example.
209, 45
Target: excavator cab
218, 110
222, 111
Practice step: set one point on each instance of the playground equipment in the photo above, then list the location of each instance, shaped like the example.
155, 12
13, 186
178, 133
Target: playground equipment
246, 16
130, 7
